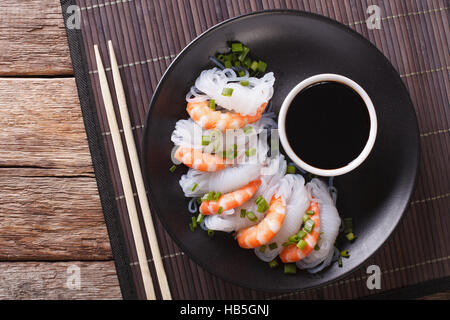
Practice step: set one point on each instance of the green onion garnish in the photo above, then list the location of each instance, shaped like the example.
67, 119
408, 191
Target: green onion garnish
206, 140
212, 104
220, 210
250, 152
227, 92
317, 248
194, 187
286, 244
244, 83
350, 236
290, 170
262, 204
248, 130
194, 222
339, 262
294, 239
227, 64
348, 225
237, 63
173, 168
241, 73
191, 227
290, 268
244, 53
344, 253
243, 213
254, 65
200, 218
309, 225
237, 47
251, 216
305, 217
273, 246
301, 234
262, 66
262, 248
211, 196
301, 244
210, 233
310, 212
273, 264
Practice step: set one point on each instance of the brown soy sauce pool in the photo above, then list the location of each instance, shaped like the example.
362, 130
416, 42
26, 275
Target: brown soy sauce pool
327, 125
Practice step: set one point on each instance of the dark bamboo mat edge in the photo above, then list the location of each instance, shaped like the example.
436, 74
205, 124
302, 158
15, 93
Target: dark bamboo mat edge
99, 162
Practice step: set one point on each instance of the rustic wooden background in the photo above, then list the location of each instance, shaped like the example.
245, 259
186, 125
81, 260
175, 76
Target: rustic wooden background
50, 213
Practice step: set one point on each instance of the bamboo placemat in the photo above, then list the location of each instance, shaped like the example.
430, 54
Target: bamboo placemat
414, 36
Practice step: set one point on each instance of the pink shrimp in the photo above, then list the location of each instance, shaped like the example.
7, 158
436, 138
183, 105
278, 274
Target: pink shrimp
198, 160
230, 200
292, 253
265, 230
207, 118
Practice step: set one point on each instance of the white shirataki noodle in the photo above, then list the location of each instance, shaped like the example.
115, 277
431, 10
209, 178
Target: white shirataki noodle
329, 227
297, 204
245, 100
269, 185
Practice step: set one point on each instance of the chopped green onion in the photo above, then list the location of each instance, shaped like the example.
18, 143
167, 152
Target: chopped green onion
194, 222
290, 268
227, 92
344, 253
173, 168
244, 53
237, 47
250, 152
305, 218
273, 264
200, 218
290, 170
251, 216
244, 83
206, 140
243, 213
262, 66
309, 225
210, 233
262, 248
273, 246
220, 210
241, 73
317, 248
248, 130
310, 212
211, 196
339, 261
301, 234
286, 244
221, 57
191, 227
194, 187
212, 104
294, 239
348, 225
227, 64
254, 65
301, 244
350, 236
237, 63
262, 204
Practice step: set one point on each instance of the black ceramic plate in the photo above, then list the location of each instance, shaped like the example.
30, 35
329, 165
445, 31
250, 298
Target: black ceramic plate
295, 45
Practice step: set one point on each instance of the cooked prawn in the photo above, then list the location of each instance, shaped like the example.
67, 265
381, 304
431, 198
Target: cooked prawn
199, 160
207, 118
230, 200
264, 231
292, 253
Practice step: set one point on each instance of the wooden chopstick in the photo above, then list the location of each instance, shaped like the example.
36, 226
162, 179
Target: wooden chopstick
137, 173
125, 178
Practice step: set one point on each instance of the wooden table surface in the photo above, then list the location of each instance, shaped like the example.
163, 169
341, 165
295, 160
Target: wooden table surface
50, 213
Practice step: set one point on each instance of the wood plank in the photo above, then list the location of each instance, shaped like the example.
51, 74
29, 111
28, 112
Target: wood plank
49, 280
41, 125
49, 203
33, 39
51, 218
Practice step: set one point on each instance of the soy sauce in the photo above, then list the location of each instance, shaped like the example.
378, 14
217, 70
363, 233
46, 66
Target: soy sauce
327, 125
